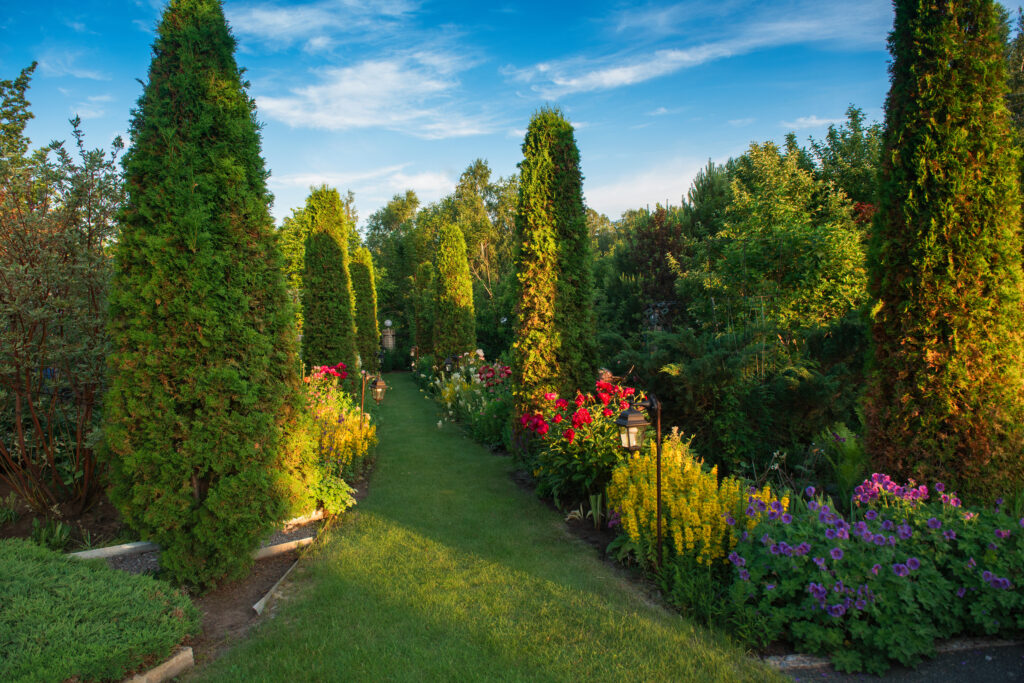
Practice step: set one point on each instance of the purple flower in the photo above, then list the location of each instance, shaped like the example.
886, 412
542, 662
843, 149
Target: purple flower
777, 506
934, 523
971, 563
1022, 522
914, 563
860, 605
837, 610
830, 533
836, 553
820, 561
875, 569
999, 501
730, 520
940, 487
900, 569
880, 539
737, 559
887, 525
750, 511
744, 574
770, 587
773, 514
788, 518
1002, 533
949, 534
766, 539
870, 514
812, 505
803, 548
987, 576
960, 592
904, 531
809, 492
993, 546
774, 550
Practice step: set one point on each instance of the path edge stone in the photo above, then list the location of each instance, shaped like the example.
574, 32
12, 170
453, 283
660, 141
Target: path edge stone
180, 662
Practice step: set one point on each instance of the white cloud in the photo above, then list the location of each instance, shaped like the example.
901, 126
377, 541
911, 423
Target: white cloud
840, 24
409, 93
739, 123
668, 181
316, 24
64, 63
810, 122
333, 178
92, 107
428, 185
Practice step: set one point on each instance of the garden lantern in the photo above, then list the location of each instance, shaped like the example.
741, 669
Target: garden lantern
632, 426
389, 336
448, 365
377, 388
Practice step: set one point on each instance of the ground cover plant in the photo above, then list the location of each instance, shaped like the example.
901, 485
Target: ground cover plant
66, 619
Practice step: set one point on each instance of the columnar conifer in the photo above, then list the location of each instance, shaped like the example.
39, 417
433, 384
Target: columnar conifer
454, 319
328, 303
203, 368
365, 290
554, 347
947, 396
423, 307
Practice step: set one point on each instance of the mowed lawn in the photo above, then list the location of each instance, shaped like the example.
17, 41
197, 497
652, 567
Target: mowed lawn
448, 571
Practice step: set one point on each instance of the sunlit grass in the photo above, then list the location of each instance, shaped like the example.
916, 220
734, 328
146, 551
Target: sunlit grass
448, 571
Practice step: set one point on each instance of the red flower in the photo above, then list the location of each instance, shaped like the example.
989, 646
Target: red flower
604, 386
570, 434
550, 396
581, 417
561, 404
579, 399
558, 418
604, 398
523, 420
628, 391
608, 412
623, 405
543, 428
340, 366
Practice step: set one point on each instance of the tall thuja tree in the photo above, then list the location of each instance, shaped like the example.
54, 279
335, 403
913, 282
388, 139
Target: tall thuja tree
365, 291
454, 319
203, 369
423, 308
947, 397
328, 302
535, 369
574, 303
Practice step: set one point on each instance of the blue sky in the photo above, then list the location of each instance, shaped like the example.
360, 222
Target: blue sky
380, 96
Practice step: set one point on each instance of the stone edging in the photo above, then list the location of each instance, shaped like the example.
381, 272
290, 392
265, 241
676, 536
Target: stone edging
798, 662
180, 662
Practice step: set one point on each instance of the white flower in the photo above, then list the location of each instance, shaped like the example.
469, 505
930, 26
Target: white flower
439, 423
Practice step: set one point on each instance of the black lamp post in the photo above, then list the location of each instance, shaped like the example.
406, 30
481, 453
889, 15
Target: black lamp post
632, 429
377, 389
448, 365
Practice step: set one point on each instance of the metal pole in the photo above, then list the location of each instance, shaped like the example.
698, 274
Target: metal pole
362, 400
657, 410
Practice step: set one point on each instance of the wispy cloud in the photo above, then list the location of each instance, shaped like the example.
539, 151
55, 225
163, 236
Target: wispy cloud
667, 181
739, 123
55, 62
410, 93
334, 178
795, 22
316, 25
92, 107
810, 122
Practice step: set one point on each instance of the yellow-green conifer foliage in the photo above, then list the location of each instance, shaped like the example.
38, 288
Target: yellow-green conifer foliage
203, 371
365, 290
454, 319
328, 302
946, 401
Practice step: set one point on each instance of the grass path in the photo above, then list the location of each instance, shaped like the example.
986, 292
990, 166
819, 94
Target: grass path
449, 572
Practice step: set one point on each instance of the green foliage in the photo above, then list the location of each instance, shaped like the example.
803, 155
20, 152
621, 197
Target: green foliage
66, 619
844, 452
946, 398
328, 301
51, 533
885, 585
204, 369
535, 361
423, 308
849, 157
9, 508
364, 289
56, 224
454, 319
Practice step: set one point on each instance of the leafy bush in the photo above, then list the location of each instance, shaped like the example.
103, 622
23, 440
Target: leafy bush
577, 443
56, 224
884, 587
65, 619
328, 447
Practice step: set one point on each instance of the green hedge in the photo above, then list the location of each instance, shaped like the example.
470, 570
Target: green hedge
62, 618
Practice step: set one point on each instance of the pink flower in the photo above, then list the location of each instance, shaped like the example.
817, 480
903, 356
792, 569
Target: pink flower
550, 396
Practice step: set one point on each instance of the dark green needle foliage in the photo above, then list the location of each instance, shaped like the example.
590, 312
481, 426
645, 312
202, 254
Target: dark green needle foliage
328, 304
454, 319
204, 368
365, 290
947, 397
423, 307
